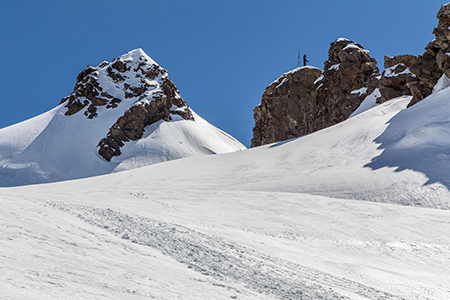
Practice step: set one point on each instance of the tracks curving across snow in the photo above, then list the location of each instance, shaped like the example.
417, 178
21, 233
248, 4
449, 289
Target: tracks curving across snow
224, 261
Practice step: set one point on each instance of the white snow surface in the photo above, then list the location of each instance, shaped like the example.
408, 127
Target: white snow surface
390, 72
443, 83
334, 67
369, 102
360, 91
279, 82
355, 211
53, 147
342, 40
352, 46
319, 79
359, 210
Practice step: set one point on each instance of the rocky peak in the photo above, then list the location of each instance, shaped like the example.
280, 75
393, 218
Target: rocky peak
137, 87
306, 99
289, 108
350, 75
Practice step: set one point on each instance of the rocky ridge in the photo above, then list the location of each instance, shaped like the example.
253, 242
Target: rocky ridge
350, 76
133, 78
300, 103
430, 66
306, 99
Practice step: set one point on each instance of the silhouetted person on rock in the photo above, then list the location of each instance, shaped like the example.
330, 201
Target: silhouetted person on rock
305, 60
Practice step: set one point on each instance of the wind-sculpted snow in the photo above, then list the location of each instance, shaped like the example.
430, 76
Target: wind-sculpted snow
419, 139
224, 260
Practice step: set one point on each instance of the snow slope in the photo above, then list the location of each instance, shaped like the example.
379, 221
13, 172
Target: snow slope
204, 244
54, 146
347, 160
282, 221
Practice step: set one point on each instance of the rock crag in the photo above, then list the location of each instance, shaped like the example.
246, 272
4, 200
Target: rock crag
133, 78
430, 66
295, 105
284, 105
397, 78
350, 76
306, 99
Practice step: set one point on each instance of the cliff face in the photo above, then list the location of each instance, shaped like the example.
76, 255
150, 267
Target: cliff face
350, 75
284, 106
430, 66
306, 99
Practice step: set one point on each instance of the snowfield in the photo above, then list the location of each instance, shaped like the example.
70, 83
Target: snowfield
355, 211
205, 244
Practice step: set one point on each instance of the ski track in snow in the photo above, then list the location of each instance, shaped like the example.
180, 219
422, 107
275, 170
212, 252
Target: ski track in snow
222, 260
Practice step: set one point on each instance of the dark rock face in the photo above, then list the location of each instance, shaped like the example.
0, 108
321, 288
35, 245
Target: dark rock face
430, 66
428, 74
131, 125
291, 108
306, 100
133, 80
397, 78
284, 105
88, 92
350, 75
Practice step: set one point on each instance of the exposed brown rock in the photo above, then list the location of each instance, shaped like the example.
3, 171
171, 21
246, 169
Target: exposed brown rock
430, 66
131, 126
350, 75
163, 104
306, 100
120, 66
407, 60
87, 92
281, 114
147, 88
397, 78
428, 74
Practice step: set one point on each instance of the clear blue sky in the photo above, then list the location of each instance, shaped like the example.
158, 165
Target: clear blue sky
220, 54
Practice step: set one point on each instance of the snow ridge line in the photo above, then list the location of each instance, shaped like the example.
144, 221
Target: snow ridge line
222, 260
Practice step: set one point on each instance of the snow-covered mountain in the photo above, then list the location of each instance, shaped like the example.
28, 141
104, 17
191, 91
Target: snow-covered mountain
122, 114
358, 210
289, 220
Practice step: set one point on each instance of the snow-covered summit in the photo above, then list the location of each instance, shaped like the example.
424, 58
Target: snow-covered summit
122, 114
138, 54
131, 78
137, 88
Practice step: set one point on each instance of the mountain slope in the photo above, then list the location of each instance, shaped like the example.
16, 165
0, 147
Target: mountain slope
344, 161
121, 115
264, 223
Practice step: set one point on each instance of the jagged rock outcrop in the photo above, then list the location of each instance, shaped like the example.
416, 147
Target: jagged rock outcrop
284, 105
428, 74
87, 92
350, 75
306, 100
430, 66
133, 78
397, 78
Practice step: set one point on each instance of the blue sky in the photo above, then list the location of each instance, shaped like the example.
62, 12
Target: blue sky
220, 54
